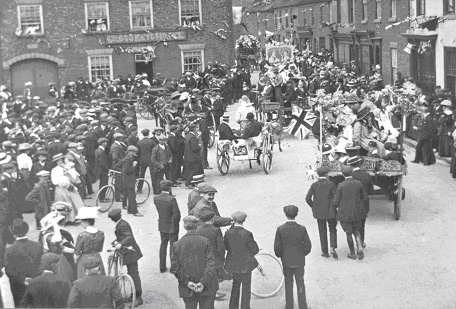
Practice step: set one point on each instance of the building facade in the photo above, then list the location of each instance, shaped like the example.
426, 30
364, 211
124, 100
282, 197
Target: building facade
60, 41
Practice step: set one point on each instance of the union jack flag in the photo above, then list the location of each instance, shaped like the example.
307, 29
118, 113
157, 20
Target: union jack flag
311, 172
301, 122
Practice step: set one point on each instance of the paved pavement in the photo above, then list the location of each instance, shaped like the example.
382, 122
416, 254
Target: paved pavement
408, 263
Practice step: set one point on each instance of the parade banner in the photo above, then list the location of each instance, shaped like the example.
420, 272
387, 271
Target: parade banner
279, 54
144, 37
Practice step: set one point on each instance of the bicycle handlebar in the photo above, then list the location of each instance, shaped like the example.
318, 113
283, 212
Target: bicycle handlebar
123, 247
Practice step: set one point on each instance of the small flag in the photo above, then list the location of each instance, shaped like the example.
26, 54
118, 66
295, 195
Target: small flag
311, 172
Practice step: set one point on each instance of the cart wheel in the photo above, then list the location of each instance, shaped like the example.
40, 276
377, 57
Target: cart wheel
223, 161
144, 111
167, 123
267, 161
398, 200
211, 127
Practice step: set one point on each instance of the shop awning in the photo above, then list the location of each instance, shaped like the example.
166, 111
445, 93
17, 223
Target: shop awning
431, 35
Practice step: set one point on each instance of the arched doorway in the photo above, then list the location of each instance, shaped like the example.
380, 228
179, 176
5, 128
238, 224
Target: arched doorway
38, 71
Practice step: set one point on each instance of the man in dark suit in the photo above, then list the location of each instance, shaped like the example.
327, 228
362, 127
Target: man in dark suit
161, 163
225, 131
95, 290
145, 147
128, 169
350, 200
192, 155
193, 264
177, 151
168, 219
38, 166
366, 179
101, 169
195, 195
49, 290
292, 244
320, 198
131, 253
22, 260
426, 131
240, 259
116, 152
206, 203
54, 146
253, 127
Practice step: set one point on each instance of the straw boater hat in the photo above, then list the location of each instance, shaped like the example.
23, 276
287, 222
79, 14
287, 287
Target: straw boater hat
87, 213
198, 178
4, 158
57, 157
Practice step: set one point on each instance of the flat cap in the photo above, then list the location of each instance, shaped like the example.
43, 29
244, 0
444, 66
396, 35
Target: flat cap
192, 126
190, 222
102, 140
347, 170
208, 189
291, 211
239, 216
115, 213
173, 127
82, 127
118, 135
162, 138
73, 145
132, 148
158, 130
92, 262
48, 260
166, 184
43, 173
206, 215
127, 119
80, 138
322, 170
145, 132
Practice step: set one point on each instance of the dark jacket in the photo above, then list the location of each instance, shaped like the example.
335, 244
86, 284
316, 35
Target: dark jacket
215, 236
427, 129
192, 152
95, 291
168, 213
117, 153
193, 198
145, 147
128, 172
320, 198
366, 180
241, 249
36, 168
349, 201
124, 235
192, 260
225, 132
292, 244
54, 148
161, 157
202, 205
252, 129
47, 291
101, 163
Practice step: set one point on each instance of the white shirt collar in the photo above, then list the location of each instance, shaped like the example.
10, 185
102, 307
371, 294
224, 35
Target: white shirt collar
21, 238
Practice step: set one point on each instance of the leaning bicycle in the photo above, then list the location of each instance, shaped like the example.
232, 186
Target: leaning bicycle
267, 277
106, 196
124, 280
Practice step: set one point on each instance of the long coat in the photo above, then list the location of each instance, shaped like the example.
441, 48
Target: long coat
320, 198
366, 180
292, 244
124, 235
128, 172
160, 157
241, 249
47, 291
101, 163
168, 213
192, 149
40, 196
192, 260
145, 147
117, 153
349, 201
215, 236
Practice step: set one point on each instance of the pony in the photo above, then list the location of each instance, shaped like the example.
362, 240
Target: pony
275, 127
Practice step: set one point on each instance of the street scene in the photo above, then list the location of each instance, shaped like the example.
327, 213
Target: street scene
227, 154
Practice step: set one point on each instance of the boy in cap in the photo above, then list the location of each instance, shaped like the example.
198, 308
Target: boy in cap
168, 219
320, 198
292, 244
193, 264
240, 259
126, 239
349, 201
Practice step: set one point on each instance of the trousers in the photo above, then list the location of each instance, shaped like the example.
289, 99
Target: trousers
103, 182
245, 279
142, 174
129, 198
133, 271
322, 230
165, 238
198, 301
298, 274
160, 175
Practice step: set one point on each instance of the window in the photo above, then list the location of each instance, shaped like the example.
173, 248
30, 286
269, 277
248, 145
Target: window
350, 12
312, 16
378, 10
30, 18
97, 16
322, 17
190, 12
420, 7
448, 6
192, 60
365, 10
141, 14
393, 8
393, 64
287, 19
412, 8
338, 8
100, 67
304, 17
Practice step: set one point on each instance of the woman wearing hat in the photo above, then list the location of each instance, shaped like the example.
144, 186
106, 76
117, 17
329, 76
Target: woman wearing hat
90, 242
445, 128
67, 192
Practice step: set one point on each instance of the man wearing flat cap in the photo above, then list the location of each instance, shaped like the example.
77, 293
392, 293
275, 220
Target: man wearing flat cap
40, 197
116, 151
176, 143
22, 259
101, 169
292, 244
207, 204
161, 163
39, 166
95, 290
145, 146
193, 264
240, 259
128, 169
320, 198
350, 200
126, 239
192, 155
49, 290
168, 219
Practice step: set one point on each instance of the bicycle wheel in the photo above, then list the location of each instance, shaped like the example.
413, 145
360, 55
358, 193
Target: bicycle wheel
144, 109
267, 278
112, 266
109, 198
127, 290
267, 154
211, 127
223, 161
143, 195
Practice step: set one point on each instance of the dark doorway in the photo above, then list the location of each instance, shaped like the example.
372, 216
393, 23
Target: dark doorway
144, 65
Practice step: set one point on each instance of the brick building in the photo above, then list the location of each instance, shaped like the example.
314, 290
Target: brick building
59, 41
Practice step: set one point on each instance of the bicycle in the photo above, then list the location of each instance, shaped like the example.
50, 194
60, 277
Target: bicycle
125, 282
267, 277
109, 190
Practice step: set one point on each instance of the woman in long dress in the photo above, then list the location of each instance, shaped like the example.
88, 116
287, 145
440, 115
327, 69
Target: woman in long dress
66, 192
445, 123
90, 242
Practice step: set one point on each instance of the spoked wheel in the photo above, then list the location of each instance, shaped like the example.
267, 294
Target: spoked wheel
211, 127
167, 123
143, 195
144, 110
112, 266
109, 197
267, 154
127, 290
267, 278
223, 161
398, 200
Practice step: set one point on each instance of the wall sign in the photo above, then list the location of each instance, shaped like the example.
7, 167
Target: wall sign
145, 37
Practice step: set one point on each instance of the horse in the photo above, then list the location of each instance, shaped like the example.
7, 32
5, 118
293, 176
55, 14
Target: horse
276, 129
